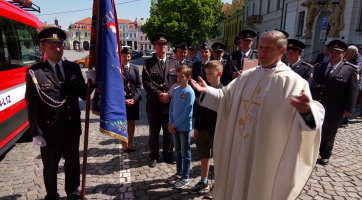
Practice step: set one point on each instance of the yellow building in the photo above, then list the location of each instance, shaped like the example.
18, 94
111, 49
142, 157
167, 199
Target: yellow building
233, 24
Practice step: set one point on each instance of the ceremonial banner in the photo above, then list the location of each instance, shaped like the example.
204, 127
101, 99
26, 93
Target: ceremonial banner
109, 101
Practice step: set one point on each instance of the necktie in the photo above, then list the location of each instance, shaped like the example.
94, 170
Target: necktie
163, 66
329, 70
59, 73
126, 68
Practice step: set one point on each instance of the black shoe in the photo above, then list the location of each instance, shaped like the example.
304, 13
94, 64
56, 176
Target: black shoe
170, 161
343, 126
199, 187
323, 161
74, 197
152, 163
131, 150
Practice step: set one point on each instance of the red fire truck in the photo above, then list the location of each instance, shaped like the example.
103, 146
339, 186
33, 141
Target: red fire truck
18, 50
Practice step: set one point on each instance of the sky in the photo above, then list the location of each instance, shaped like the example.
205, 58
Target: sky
127, 9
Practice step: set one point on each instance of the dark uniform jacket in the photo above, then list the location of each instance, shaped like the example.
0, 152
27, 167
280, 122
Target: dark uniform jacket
166, 82
336, 91
132, 83
235, 63
64, 121
304, 69
189, 63
199, 70
205, 119
320, 58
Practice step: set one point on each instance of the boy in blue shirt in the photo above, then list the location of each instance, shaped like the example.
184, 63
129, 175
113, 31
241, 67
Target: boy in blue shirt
180, 125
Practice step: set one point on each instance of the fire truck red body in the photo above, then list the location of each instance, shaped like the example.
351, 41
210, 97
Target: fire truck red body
18, 51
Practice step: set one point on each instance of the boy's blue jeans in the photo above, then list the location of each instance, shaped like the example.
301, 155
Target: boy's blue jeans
182, 140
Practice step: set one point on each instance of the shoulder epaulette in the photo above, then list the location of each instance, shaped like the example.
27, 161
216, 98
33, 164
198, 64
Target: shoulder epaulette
305, 63
255, 51
172, 58
319, 63
348, 63
189, 61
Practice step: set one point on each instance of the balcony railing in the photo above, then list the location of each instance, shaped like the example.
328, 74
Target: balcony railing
255, 19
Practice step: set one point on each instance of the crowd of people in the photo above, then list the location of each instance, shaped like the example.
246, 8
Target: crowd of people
264, 126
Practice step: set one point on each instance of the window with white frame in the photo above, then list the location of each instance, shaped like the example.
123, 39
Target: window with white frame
300, 23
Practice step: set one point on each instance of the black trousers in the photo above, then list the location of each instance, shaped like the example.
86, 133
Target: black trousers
329, 131
51, 155
156, 121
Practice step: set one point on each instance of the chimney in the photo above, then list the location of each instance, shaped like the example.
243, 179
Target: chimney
56, 22
45, 22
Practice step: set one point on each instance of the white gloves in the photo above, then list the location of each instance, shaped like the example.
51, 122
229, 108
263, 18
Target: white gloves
91, 74
39, 140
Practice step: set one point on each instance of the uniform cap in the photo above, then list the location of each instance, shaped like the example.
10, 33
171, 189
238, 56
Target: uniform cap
159, 38
52, 34
126, 50
337, 45
295, 44
205, 46
237, 40
218, 46
285, 33
192, 48
182, 46
247, 34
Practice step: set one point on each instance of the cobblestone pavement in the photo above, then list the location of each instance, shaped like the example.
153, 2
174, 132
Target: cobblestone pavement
113, 174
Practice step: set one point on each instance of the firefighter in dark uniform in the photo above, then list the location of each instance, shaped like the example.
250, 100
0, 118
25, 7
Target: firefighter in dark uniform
159, 80
335, 86
294, 53
132, 93
218, 50
235, 63
199, 67
181, 55
53, 89
199, 70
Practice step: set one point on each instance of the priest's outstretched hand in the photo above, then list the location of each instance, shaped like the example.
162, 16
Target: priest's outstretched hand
301, 103
200, 86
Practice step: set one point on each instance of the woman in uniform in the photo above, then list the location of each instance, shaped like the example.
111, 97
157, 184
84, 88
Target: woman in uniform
132, 93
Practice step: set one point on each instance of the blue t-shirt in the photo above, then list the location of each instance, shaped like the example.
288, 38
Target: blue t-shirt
181, 107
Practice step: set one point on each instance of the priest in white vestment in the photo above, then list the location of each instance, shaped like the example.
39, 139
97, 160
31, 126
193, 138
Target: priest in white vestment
268, 129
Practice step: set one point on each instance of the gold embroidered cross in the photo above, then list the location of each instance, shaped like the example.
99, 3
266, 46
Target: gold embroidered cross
247, 118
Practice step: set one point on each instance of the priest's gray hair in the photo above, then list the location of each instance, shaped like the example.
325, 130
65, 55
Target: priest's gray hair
278, 36
353, 49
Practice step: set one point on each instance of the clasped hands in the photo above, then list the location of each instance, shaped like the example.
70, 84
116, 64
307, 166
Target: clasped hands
129, 102
164, 97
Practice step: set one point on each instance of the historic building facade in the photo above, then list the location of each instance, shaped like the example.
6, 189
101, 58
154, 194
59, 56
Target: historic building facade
303, 20
143, 41
79, 34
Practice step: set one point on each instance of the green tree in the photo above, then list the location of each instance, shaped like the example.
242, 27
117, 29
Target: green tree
190, 21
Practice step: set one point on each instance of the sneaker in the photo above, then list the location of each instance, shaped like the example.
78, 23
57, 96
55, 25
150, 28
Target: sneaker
181, 183
209, 193
174, 178
199, 187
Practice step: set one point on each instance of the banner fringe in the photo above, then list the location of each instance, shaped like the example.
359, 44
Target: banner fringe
121, 138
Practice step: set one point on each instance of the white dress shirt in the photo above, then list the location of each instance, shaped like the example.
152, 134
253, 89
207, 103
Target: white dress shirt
60, 63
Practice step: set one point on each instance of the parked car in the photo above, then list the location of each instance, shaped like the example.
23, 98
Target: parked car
150, 52
83, 62
134, 55
139, 53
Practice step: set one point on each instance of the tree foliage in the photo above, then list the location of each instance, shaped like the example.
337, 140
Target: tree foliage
190, 21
